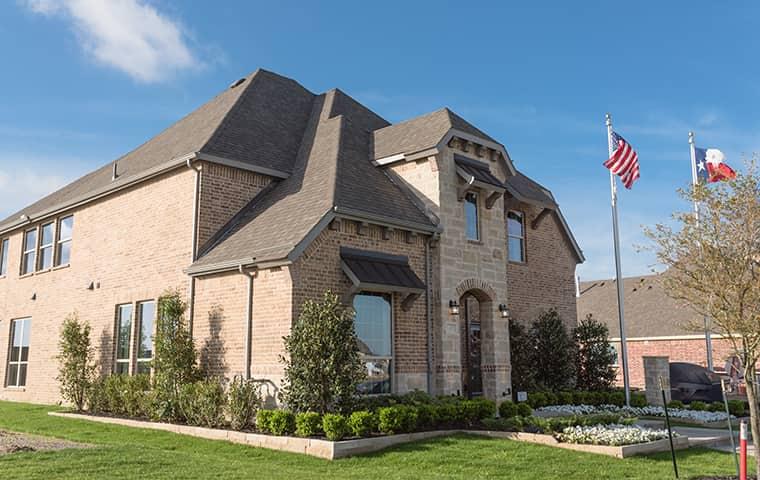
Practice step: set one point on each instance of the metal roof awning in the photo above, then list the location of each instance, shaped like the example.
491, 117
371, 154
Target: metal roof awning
478, 175
380, 272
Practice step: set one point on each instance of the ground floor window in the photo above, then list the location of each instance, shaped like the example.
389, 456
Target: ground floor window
134, 337
146, 315
19, 352
123, 338
374, 330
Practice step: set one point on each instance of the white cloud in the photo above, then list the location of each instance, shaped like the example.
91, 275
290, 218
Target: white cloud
128, 35
21, 187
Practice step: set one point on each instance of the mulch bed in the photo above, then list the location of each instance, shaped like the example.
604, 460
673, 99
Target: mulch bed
12, 442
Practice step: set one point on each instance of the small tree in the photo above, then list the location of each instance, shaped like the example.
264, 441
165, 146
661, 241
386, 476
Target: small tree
322, 365
553, 352
714, 268
175, 356
521, 355
77, 369
594, 355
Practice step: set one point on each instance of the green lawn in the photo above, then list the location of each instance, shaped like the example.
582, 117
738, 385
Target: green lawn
122, 452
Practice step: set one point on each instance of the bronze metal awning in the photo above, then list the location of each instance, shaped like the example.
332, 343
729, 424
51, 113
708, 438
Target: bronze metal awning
380, 272
475, 174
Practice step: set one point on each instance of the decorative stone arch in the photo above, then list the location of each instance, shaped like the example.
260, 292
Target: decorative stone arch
481, 289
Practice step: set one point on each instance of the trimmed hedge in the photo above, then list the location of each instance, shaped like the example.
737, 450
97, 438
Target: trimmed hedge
362, 423
308, 424
335, 426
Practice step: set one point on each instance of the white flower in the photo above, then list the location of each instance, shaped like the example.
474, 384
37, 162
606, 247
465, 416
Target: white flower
612, 435
649, 411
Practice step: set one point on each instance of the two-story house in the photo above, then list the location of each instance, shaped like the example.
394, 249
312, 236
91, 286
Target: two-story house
269, 195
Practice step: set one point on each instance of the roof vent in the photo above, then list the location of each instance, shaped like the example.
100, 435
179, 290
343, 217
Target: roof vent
237, 82
114, 172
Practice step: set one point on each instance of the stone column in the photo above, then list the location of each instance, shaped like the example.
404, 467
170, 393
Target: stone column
654, 369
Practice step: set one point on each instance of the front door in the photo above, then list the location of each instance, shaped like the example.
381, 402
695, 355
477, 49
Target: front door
474, 385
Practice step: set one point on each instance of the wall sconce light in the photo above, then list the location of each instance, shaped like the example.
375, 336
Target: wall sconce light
504, 311
453, 307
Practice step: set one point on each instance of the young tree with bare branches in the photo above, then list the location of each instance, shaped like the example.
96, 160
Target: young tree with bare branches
714, 267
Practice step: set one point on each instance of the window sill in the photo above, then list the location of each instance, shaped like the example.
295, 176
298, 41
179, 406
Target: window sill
26, 275
474, 242
2, 277
515, 262
15, 389
61, 267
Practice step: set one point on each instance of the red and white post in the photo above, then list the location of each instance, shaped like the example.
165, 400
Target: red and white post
743, 450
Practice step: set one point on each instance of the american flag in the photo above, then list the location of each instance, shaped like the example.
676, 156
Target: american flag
624, 161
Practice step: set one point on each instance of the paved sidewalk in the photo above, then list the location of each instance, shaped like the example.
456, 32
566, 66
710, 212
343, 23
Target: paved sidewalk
702, 437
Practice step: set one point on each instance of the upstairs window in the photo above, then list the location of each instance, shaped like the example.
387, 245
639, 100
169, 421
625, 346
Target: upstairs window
29, 257
46, 246
18, 358
472, 225
123, 338
146, 315
374, 333
63, 250
516, 236
4, 257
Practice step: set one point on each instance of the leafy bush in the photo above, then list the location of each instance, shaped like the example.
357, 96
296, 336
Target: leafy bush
76, 370
335, 426
322, 365
675, 404
698, 406
415, 397
551, 398
202, 402
308, 424
263, 420
135, 398
537, 399
616, 398
243, 398
282, 422
447, 412
638, 400
477, 409
521, 355
565, 398
175, 357
737, 407
507, 409
593, 355
113, 394
511, 424
398, 419
715, 407
362, 423
553, 352
427, 416
95, 399
524, 410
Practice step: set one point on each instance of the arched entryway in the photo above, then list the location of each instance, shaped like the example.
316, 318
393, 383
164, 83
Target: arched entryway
476, 324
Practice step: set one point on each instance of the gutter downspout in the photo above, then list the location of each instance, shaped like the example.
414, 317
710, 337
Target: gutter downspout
248, 321
429, 315
194, 247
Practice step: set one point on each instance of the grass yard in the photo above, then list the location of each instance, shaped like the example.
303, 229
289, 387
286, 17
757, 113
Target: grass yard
123, 452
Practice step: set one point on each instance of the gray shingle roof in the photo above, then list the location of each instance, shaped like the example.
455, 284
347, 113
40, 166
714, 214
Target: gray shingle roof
420, 133
649, 312
528, 190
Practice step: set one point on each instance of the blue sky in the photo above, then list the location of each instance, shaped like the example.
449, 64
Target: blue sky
87, 80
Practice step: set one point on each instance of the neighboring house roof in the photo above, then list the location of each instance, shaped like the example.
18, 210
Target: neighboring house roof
649, 312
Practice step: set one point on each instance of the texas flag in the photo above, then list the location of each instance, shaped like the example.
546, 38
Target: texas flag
711, 166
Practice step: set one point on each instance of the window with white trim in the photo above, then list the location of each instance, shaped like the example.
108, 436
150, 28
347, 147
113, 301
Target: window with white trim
47, 239
18, 357
516, 236
146, 315
4, 244
472, 222
63, 248
373, 323
123, 338
29, 256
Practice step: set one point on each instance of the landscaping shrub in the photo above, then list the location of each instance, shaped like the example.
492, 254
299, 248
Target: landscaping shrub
616, 398
716, 407
113, 394
427, 416
322, 365
594, 356
202, 403
553, 352
565, 398
446, 412
524, 410
511, 424
521, 355
507, 409
580, 398
76, 369
282, 422
263, 419
362, 423
243, 398
135, 395
95, 399
336, 426
675, 404
537, 399
308, 424
698, 406
398, 419
415, 397
479, 408
638, 400
737, 408
174, 361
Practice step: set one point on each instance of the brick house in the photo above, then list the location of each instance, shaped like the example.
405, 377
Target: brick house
656, 325
269, 195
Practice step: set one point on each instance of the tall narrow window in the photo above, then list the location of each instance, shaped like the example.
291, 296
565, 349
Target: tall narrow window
516, 236
29, 258
46, 246
471, 216
4, 257
123, 338
63, 250
19, 354
146, 313
373, 324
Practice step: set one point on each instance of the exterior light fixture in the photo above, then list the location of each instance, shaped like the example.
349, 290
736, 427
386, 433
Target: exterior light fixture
453, 307
504, 311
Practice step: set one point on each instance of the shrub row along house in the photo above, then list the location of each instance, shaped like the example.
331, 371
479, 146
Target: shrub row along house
269, 195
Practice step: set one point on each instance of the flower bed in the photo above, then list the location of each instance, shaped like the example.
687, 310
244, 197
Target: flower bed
693, 416
611, 435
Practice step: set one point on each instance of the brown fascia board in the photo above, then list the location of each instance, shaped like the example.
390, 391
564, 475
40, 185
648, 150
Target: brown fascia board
126, 182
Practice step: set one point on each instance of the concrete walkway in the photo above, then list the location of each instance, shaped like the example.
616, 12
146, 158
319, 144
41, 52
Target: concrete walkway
701, 437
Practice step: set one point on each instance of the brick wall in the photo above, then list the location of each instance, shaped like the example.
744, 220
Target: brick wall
131, 246
547, 278
319, 270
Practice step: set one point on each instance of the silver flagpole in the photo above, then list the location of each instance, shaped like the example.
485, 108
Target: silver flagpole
618, 270
694, 182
